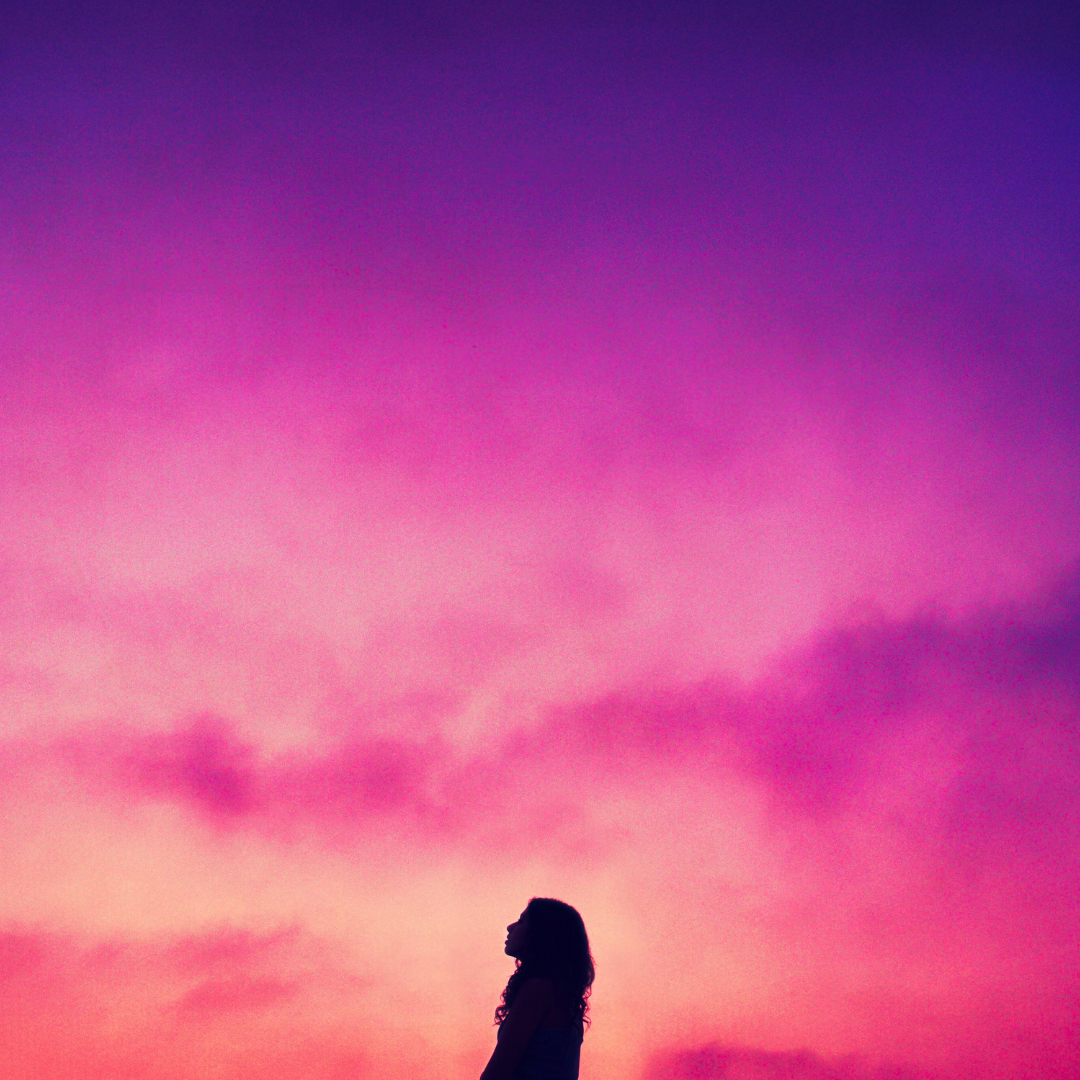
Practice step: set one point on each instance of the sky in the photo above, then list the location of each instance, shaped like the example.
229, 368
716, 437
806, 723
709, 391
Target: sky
624, 452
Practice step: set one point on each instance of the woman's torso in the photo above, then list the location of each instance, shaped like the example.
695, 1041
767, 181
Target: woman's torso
552, 1054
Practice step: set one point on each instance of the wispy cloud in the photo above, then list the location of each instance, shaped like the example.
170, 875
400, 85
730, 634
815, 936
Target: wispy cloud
746, 1063
129, 1007
987, 704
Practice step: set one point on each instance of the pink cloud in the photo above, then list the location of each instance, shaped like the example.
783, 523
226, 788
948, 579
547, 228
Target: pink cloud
153, 1009
227, 949
224, 995
203, 765
744, 1063
1001, 689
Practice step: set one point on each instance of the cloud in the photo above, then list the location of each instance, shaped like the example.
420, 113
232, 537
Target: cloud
225, 995
361, 790
990, 705
218, 969
216, 999
203, 764
719, 1062
809, 727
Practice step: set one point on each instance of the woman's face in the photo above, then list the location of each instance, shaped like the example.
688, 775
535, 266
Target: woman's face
515, 937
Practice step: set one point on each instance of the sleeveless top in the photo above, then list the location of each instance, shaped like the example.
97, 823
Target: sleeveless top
552, 1054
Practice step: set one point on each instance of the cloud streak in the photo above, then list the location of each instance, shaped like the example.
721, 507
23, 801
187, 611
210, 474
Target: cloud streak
990, 703
158, 1008
741, 1063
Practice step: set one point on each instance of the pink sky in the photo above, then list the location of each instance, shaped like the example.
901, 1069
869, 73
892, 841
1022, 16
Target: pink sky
451, 459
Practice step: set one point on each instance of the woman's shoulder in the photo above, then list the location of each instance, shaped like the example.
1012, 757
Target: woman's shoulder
536, 987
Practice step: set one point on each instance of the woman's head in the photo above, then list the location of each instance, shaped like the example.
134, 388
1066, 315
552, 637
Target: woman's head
549, 941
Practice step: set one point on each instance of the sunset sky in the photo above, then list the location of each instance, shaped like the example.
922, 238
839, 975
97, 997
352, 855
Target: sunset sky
458, 452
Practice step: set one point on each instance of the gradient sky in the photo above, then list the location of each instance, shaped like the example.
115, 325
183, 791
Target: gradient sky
623, 452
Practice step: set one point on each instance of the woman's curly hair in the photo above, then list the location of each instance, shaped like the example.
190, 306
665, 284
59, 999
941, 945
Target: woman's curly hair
556, 948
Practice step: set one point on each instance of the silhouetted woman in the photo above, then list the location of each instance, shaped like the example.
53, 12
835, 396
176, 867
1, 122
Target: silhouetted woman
545, 1005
